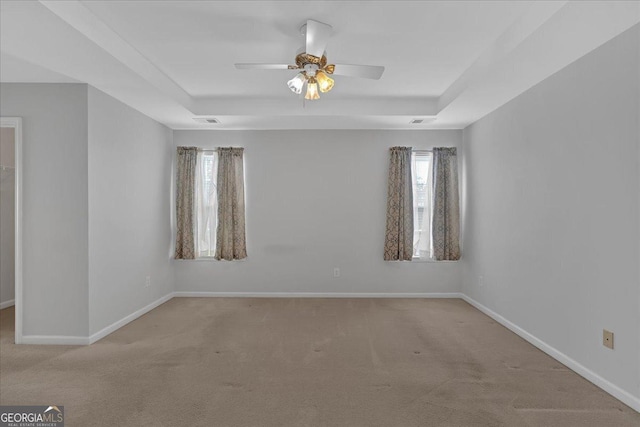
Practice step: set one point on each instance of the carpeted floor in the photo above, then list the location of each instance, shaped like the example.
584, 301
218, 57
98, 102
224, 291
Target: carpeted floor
305, 362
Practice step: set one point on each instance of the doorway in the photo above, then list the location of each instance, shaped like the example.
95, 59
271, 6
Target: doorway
11, 223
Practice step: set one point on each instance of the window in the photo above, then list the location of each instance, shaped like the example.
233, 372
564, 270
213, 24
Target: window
206, 205
210, 205
421, 163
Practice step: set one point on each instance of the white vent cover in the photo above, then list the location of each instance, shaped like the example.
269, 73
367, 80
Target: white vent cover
208, 120
416, 121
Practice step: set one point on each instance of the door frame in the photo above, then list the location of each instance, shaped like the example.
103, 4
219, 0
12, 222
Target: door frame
16, 124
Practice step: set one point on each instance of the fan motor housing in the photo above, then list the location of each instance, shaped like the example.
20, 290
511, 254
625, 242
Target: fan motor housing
303, 59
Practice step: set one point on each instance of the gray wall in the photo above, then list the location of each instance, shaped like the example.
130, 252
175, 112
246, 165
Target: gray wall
553, 219
90, 254
7, 216
55, 214
316, 200
129, 210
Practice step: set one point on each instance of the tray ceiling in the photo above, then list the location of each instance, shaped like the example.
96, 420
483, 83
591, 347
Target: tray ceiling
447, 62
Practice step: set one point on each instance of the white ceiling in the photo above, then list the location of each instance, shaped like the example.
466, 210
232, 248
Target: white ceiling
451, 62
424, 46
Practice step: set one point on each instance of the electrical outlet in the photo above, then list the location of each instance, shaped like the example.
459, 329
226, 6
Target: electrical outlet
607, 339
147, 281
481, 281
336, 272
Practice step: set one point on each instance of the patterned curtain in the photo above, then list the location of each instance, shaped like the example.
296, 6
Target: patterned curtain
398, 243
185, 183
445, 222
230, 236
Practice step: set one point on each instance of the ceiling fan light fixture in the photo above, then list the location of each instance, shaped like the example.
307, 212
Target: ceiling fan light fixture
325, 83
312, 89
311, 61
296, 83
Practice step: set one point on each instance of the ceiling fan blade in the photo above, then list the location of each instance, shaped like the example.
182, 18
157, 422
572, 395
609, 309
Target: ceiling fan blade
317, 37
263, 67
364, 71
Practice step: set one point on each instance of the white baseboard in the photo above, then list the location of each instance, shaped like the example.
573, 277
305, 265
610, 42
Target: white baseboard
54, 340
7, 304
186, 294
133, 316
620, 394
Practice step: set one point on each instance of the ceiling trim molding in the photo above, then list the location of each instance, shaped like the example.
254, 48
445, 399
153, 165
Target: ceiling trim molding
296, 106
569, 34
508, 41
75, 14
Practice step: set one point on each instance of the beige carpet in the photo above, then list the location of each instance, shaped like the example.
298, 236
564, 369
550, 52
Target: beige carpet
305, 362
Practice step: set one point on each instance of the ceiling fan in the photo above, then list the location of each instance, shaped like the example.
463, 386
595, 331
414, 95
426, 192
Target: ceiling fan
313, 65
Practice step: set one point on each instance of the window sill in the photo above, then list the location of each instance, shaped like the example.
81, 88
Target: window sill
425, 261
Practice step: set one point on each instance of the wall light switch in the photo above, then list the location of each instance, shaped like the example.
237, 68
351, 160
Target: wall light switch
607, 338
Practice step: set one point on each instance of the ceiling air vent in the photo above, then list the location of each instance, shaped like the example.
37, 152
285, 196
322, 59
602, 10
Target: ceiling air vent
209, 120
416, 121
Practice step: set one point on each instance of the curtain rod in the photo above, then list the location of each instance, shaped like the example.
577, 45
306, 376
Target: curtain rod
214, 149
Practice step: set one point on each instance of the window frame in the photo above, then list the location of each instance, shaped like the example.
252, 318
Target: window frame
197, 208
426, 153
